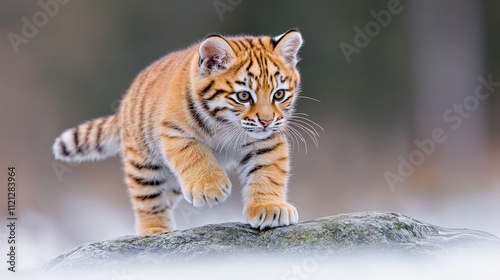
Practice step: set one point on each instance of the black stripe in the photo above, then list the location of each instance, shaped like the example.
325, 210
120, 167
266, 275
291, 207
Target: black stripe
257, 167
269, 59
279, 168
272, 181
249, 65
240, 83
172, 137
256, 141
242, 42
156, 207
271, 193
218, 109
64, 150
189, 144
155, 210
246, 158
256, 57
145, 182
253, 76
264, 65
241, 45
234, 43
217, 92
267, 150
261, 42
276, 75
174, 127
290, 96
146, 166
207, 88
204, 104
259, 62
237, 68
250, 41
130, 149
271, 81
231, 101
221, 120
76, 140
98, 137
196, 116
150, 196
176, 191
260, 166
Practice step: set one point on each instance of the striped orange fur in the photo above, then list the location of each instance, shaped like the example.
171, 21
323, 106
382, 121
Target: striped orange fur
218, 105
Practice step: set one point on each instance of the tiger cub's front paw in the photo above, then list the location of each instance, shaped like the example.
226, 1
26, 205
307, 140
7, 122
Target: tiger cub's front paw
153, 230
209, 189
271, 214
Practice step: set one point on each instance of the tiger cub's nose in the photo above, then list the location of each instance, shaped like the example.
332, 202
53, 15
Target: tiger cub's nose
265, 122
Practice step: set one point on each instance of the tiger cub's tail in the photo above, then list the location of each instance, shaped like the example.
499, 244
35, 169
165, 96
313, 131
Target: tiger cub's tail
93, 140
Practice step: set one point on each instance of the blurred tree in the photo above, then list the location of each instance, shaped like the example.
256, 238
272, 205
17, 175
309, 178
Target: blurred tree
446, 62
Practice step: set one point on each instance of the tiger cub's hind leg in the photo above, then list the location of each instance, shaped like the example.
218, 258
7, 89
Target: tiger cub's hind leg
154, 193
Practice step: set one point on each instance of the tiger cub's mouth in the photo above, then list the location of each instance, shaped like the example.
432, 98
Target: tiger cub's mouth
261, 132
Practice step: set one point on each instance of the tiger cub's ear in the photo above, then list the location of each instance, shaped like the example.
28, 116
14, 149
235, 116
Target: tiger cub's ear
287, 45
215, 55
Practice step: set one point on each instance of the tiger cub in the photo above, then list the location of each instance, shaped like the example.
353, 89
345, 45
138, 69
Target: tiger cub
220, 104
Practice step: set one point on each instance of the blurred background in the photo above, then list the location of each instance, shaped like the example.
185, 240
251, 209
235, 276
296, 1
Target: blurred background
388, 73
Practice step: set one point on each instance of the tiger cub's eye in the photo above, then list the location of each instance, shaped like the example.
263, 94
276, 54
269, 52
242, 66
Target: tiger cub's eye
244, 96
279, 95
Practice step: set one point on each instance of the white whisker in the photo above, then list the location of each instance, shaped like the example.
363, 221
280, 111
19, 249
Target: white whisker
226, 141
298, 134
307, 125
308, 97
306, 119
221, 137
307, 131
292, 139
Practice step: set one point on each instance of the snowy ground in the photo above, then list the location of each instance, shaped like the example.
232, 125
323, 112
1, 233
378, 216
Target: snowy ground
467, 265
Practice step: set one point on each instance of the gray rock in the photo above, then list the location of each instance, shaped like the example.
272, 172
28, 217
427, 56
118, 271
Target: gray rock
344, 234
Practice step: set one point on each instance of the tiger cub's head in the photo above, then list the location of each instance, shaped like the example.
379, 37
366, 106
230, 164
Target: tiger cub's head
250, 82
